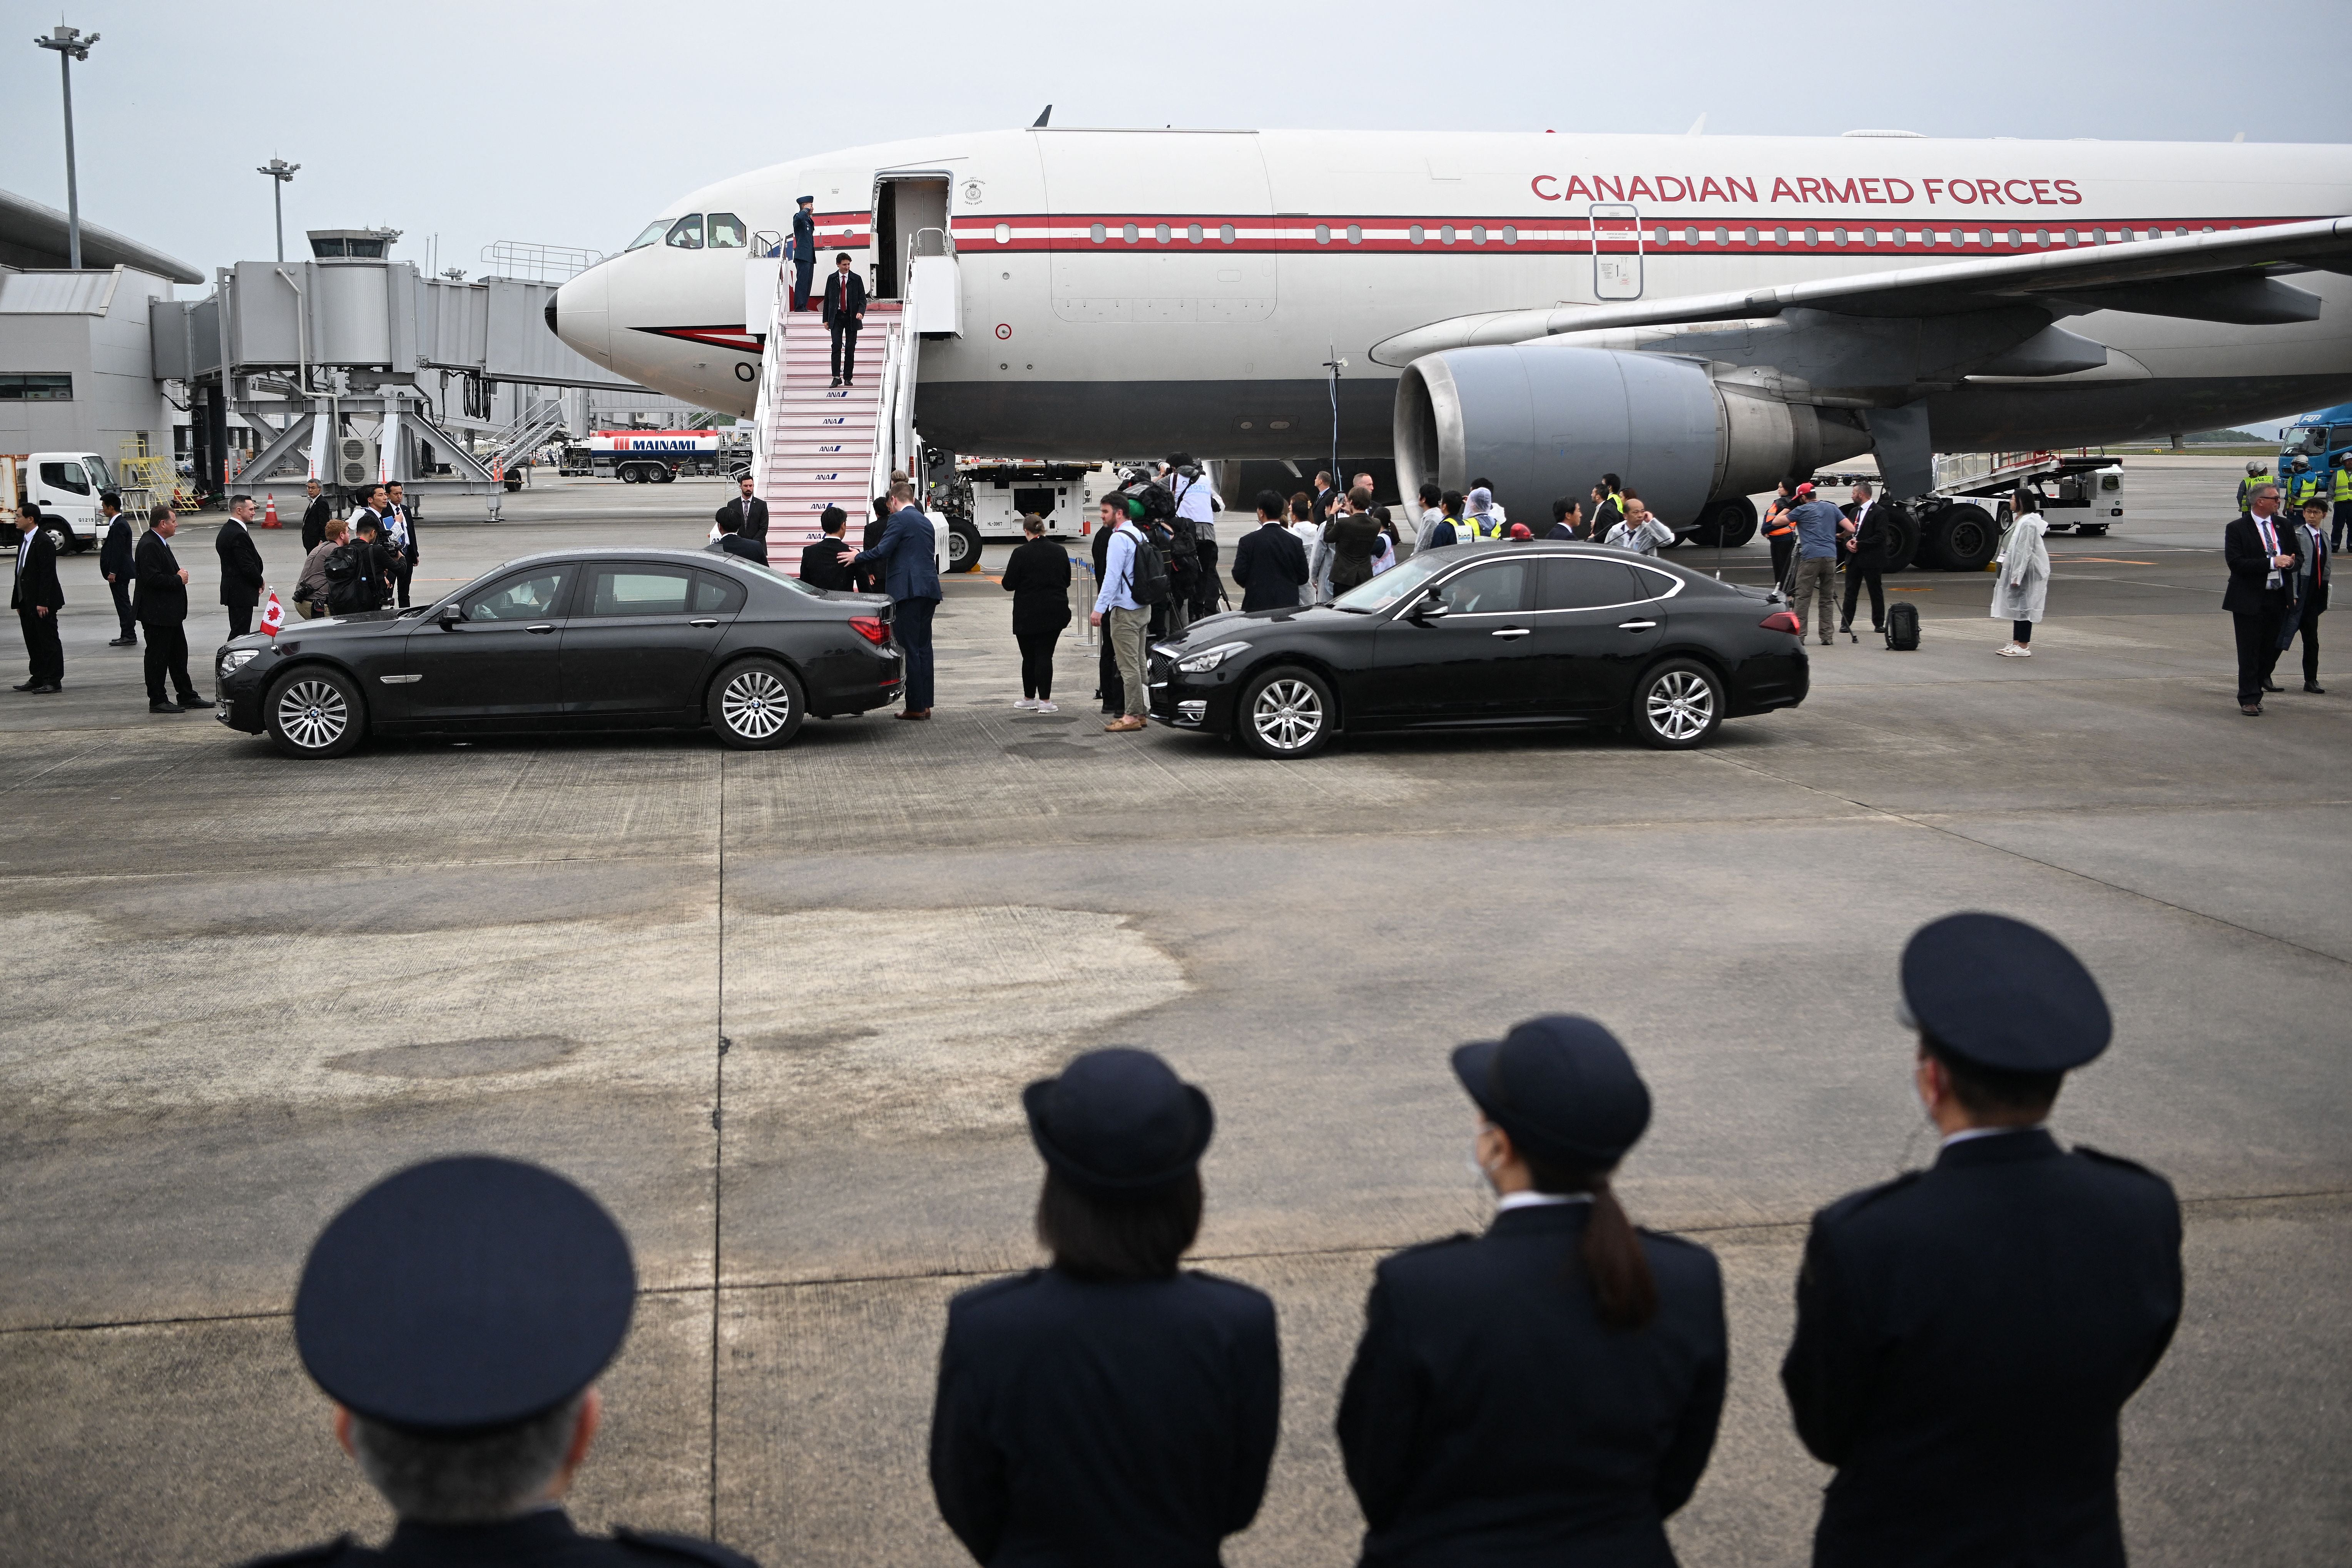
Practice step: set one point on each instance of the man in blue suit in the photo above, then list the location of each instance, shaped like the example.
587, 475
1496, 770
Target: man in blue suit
907, 556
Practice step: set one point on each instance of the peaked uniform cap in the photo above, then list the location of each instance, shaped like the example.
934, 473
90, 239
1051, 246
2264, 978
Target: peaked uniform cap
1562, 1087
464, 1293
2000, 993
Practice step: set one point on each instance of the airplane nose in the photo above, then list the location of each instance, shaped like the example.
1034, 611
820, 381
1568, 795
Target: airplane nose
580, 314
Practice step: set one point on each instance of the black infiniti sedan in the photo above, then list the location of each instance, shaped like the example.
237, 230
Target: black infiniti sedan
1485, 636
590, 640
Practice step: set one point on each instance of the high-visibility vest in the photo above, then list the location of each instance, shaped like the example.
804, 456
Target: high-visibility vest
2246, 488
2342, 491
1471, 526
2302, 488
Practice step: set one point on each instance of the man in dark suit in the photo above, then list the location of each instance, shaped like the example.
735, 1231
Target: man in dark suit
314, 517
2314, 565
240, 566
2260, 552
1269, 562
908, 555
803, 251
823, 562
115, 564
844, 312
1967, 1335
731, 543
161, 606
745, 515
37, 597
1865, 562
400, 547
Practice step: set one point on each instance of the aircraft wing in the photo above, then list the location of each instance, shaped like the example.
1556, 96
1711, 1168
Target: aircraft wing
2226, 276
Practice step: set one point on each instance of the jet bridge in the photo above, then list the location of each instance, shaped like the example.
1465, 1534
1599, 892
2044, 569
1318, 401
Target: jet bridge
327, 353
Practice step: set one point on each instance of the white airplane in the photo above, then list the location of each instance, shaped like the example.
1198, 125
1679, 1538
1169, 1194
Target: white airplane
1709, 314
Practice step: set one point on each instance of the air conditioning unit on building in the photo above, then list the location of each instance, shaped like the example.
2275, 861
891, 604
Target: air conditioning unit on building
354, 461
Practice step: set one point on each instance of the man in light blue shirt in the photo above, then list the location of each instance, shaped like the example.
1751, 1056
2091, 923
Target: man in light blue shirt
1126, 622
1817, 530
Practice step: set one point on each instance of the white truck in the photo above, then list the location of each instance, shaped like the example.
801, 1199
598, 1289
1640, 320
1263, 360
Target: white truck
65, 486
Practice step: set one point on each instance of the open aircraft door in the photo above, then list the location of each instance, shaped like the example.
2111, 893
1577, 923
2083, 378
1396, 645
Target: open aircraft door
1616, 251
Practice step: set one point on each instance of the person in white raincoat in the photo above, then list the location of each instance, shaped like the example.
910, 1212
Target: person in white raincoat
2024, 581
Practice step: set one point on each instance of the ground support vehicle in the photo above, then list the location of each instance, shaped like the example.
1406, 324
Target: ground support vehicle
590, 640
1957, 526
1489, 636
65, 486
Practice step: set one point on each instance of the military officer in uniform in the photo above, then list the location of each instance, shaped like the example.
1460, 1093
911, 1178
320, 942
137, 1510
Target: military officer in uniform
1547, 1392
458, 1314
1112, 1408
1967, 1335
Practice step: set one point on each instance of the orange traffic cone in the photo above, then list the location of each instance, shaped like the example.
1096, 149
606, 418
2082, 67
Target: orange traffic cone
269, 512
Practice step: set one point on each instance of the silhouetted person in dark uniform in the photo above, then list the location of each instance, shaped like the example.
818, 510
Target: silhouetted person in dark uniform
1111, 1408
459, 1315
1967, 1335
1547, 1392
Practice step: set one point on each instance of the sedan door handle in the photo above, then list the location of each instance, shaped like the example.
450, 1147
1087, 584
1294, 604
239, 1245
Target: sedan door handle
704, 623
1513, 632
1636, 625
539, 630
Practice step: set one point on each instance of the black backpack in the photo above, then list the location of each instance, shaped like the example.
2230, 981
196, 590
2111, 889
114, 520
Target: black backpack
1147, 581
1903, 627
342, 562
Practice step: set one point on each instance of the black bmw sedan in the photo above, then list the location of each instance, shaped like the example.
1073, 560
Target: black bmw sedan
1485, 636
590, 640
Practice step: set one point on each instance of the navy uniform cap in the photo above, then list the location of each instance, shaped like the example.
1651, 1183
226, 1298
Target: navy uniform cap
464, 1293
1562, 1087
797, 200
1120, 1123
1997, 993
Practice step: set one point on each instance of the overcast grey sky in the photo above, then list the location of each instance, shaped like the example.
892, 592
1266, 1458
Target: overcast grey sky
575, 124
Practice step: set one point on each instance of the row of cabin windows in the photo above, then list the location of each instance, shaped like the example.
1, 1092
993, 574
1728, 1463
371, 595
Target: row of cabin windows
1478, 234
719, 231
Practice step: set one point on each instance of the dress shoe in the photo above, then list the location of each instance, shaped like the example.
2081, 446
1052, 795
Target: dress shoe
27, 686
171, 707
2314, 689
914, 713
836, 381
1125, 726
2250, 709
2272, 685
122, 642
193, 702
46, 688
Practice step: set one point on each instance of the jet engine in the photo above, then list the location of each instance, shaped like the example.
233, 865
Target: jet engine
1544, 421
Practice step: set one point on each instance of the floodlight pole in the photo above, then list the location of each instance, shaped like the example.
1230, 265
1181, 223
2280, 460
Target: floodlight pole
280, 171
70, 45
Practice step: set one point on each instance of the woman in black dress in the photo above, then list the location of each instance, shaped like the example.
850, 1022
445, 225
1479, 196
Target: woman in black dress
1110, 1409
1038, 578
1547, 1392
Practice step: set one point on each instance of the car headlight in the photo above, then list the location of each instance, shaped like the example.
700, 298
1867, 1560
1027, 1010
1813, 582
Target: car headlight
237, 658
1210, 658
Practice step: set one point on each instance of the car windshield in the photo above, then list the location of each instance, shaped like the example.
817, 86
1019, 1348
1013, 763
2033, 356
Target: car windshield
654, 231
1396, 583
97, 474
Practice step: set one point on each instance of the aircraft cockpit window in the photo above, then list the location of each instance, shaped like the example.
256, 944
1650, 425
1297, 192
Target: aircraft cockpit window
686, 234
726, 231
654, 231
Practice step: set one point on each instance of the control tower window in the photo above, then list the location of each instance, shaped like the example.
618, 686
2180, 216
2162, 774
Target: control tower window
686, 234
725, 230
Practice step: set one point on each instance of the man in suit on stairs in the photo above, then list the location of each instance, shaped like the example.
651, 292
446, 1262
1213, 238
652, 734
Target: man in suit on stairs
844, 312
746, 516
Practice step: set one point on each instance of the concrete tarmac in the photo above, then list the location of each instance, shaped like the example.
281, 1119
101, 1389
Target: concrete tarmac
775, 1009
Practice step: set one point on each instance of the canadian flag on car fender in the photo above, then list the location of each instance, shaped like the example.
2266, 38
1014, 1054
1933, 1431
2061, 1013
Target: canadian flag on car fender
273, 614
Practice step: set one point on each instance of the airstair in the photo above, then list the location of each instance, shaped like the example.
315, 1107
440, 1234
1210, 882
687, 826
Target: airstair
821, 445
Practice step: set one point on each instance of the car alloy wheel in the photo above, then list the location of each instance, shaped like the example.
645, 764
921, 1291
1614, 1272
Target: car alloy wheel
1678, 705
313, 714
755, 704
1287, 715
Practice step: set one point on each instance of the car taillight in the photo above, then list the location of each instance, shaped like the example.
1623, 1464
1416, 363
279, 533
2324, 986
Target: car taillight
874, 629
1782, 621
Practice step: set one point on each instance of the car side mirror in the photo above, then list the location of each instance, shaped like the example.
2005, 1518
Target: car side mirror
449, 616
1430, 609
